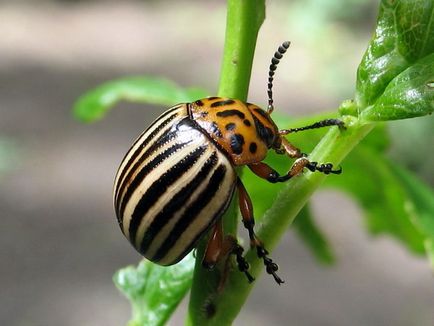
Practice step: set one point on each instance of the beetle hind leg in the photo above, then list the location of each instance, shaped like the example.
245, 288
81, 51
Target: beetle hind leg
219, 248
243, 265
246, 208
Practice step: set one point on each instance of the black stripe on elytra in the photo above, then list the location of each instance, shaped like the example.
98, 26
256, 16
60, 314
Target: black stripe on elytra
160, 142
177, 201
144, 172
159, 187
192, 212
218, 213
228, 113
237, 142
264, 133
133, 157
222, 103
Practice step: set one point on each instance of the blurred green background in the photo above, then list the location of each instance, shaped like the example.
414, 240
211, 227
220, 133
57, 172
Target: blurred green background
59, 240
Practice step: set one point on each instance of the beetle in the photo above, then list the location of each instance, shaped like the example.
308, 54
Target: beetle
178, 178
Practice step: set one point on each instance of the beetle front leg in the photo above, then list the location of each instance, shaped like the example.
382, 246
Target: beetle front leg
246, 209
220, 247
303, 162
266, 172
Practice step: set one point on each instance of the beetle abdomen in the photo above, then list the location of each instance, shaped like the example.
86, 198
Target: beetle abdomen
171, 187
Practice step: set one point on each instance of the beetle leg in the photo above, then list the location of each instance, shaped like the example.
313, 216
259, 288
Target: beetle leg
246, 208
302, 161
214, 247
266, 172
219, 247
287, 148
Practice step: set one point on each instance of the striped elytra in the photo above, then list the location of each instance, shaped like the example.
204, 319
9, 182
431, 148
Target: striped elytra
178, 178
171, 187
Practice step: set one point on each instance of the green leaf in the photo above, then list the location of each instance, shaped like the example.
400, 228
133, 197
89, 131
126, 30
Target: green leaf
369, 179
94, 104
409, 95
154, 291
404, 34
412, 140
305, 227
420, 203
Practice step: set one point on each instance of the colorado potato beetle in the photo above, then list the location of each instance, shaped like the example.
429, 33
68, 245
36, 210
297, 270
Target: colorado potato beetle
178, 178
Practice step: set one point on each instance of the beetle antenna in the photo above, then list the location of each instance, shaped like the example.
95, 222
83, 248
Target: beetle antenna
319, 124
274, 62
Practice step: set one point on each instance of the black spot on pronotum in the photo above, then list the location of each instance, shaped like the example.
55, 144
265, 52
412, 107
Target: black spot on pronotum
230, 126
212, 98
253, 147
216, 130
237, 142
228, 113
262, 113
265, 133
247, 122
222, 103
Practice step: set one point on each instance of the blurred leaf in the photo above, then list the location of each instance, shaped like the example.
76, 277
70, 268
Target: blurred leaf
94, 104
369, 179
409, 95
420, 201
378, 139
412, 140
305, 227
404, 34
155, 291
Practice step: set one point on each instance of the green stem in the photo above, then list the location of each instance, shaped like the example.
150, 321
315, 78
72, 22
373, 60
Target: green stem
244, 18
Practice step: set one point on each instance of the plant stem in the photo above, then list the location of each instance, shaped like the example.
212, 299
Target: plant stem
244, 18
